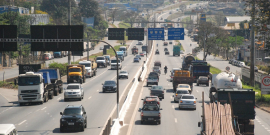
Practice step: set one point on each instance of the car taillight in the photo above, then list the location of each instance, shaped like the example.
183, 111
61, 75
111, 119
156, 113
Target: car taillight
158, 103
158, 114
194, 102
144, 102
254, 107
176, 94
141, 113
88, 73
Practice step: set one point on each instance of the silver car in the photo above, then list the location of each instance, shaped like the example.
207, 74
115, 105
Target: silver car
123, 74
188, 102
73, 91
179, 93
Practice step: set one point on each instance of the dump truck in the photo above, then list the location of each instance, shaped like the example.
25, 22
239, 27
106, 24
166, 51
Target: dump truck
34, 88
182, 77
134, 50
227, 88
90, 67
76, 73
187, 59
55, 79
176, 50
199, 68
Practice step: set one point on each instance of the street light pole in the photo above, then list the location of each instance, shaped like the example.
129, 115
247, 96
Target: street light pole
69, 23
252, 48
117, 74
87, 46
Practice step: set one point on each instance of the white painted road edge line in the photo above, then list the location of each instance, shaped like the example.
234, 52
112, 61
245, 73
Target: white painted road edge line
89, 97
43, 108
175, 120
22, 122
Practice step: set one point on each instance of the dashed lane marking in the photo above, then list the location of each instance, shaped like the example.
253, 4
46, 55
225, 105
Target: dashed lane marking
172, 106
97, 90
175, 120
43, 108
22, 122
59, 98
89, 97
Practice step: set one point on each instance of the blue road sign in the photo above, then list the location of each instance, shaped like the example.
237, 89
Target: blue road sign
203, 17
176, 33
155, 33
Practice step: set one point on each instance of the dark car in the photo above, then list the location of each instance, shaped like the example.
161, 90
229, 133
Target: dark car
109, 86
170, 42
157, 63
154, 74
167, 53
157, 91
157, 52
165, 49
73, 117
151, 100
203, 80
138, 56
136, 59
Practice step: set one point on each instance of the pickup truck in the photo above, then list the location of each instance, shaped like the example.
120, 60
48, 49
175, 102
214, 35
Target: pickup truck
151, 112
152, 80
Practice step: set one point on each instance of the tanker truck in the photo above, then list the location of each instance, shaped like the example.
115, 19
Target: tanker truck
187, 59
227, 88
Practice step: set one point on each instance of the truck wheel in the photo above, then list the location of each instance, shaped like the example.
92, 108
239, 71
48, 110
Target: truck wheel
147, 84
51, 95
21, 104
197, 84
56, 91
82, 128
61, 89
207, 84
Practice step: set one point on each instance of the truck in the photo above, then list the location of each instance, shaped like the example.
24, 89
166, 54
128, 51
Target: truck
55, 79
121, 55
150, 112
134, 50
76, 73
124, 49
199, 68
34, 88
176, 50
227, 88
187, 59
90, 67
182, 77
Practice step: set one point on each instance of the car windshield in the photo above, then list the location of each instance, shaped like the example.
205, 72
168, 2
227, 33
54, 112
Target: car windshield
149, 107
157, 87
109, 82
122, 49
73, 87
153, 73
85, 64
152, 77
182, 92
123, 72
72, 111
183, 86
203, 78
115, 61
187, 97
100, 58
74, 70
23, 81
138, 56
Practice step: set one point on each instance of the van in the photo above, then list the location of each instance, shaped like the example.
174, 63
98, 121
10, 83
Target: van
8, 129
241, 64
124, 49
48, 55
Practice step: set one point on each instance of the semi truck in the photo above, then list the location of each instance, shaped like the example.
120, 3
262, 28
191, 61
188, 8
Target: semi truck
134, 50
90, 67
227, 88
182, 77
176, 50
199, 68
76, 73
34, 88
187, 59
55, 79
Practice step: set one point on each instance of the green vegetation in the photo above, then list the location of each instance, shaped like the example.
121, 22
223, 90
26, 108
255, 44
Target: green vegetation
214, 70
258, 97
9, 85
181, 47
124, 25
186, 19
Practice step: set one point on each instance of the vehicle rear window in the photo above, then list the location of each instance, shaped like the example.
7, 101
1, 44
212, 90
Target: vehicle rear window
204, 78
155, 67
148, 107
182, 92
100, 58
73, 87
187, 97
109, 82
157, 87
183, 86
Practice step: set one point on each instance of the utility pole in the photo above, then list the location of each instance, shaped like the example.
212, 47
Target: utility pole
252, 44
87, 46
69, 23
204, 46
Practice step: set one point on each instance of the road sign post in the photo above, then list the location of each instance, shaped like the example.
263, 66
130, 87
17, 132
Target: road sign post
155, 33
265, 85
176, 34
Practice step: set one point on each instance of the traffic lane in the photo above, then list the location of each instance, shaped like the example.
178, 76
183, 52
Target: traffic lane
262, 122
97, 97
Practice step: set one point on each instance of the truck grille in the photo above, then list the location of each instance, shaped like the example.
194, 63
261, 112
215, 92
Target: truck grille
29, 91
71, 92
29, 97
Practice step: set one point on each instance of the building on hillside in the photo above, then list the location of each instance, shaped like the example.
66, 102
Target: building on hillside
236, 19
21, 10
39, 19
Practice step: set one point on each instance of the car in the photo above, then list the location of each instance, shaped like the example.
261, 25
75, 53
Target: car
187, 101
123, 74
109, 86
152, 80
114, 64
256, 69
237, 63
165, 44
170, 42
73, 91
142, 54
203, 80
234, 62
73, 117
179, 92
181, 52
136, 59
154, 74
184, 86
138, 56
156, 69
230, 61
157, 90
8, 129
101, 48
151, 100
167, 53
165, 49
241, 64
150, 112
157, 63
157, 52
140, 42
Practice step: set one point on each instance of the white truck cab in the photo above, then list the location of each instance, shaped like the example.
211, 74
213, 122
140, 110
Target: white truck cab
88, 68
124, 49
30, 88
8, 129
114, 64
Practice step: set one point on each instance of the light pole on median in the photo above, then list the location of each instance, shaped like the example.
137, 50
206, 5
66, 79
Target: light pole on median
117, 74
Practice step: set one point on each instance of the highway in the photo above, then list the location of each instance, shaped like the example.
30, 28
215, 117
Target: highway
44, 119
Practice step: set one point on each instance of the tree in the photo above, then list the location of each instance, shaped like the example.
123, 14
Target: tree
89, 8
113, 14
219, 18
131, 17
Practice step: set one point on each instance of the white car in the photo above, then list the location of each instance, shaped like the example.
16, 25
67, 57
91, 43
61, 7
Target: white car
188, 102
114, 64
73, 91
123, 74
140, 42
184, 86
179, 93
241, 64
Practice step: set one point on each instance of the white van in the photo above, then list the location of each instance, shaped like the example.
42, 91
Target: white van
49, 55
8, 129
124, 49
241, 64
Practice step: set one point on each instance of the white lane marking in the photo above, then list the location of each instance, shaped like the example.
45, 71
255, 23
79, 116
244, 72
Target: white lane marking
197, 91
175, 120
4, 97
97, 90
59, 98
172, 106
6, 109
37, 110
29, 112
89, 97
43, 108
22, 122
171, 97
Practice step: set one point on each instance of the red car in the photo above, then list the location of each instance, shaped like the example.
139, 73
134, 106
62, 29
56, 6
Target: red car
142, 54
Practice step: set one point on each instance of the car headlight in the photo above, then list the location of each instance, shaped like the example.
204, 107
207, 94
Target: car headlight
114, 86
79, 120
63, 120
